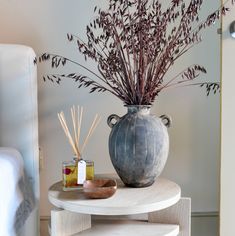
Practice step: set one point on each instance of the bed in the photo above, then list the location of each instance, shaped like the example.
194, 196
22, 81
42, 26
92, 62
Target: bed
19, 152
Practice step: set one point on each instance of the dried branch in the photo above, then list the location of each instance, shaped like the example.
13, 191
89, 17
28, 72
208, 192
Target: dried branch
134, 44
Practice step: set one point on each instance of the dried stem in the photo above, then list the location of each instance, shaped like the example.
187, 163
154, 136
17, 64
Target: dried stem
134, 44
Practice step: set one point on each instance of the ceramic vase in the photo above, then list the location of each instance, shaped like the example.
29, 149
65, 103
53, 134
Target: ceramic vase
138, 145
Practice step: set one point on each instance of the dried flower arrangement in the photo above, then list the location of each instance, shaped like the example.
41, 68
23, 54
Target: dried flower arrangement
74, 139
134, 43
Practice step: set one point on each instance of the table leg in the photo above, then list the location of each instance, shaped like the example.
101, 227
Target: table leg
64, 223
180, 214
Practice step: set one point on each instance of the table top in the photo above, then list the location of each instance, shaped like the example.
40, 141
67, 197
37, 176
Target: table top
126, 201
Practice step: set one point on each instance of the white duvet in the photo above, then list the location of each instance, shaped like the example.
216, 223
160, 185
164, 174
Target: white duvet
16, 201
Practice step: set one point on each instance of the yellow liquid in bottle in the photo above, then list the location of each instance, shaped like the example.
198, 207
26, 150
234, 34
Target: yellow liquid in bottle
70, 175
89, 172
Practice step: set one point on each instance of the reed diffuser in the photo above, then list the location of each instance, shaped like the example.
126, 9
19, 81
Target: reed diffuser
74, 139
77, 170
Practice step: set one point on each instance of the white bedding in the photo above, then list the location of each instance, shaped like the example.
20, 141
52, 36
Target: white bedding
16, 199
18, 130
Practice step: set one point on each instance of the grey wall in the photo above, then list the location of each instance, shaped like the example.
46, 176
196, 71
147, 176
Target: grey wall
194, 137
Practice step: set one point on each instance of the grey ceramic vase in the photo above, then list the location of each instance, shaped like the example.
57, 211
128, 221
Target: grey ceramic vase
138, 145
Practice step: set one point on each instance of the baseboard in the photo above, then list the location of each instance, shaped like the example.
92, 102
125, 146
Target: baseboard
205, 214
44, 218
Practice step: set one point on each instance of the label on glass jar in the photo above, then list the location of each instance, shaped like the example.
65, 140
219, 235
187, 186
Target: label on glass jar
81, 172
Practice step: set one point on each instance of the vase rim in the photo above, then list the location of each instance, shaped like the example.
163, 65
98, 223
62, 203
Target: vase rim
147, 105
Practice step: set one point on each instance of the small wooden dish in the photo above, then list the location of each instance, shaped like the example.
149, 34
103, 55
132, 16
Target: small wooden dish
99, 188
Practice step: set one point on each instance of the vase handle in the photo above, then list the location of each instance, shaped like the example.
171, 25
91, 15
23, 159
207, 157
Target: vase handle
166, 120
111, 118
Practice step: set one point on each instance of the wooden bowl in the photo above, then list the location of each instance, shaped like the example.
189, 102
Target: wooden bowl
99, 188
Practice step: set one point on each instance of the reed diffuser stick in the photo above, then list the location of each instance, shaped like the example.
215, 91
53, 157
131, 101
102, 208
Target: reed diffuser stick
73, 115
74, 140
71, 141
88, 136
67, 133
80, 123
89, 132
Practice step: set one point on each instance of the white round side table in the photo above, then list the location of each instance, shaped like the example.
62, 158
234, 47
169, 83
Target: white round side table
152, 211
